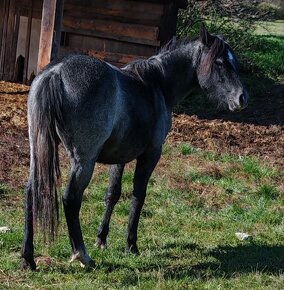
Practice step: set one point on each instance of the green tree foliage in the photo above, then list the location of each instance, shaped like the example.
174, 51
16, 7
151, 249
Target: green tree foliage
237, 22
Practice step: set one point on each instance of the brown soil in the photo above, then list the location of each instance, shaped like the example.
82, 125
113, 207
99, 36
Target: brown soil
241, 135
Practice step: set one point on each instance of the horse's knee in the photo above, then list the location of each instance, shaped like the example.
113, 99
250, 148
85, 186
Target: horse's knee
112, 197
138, 199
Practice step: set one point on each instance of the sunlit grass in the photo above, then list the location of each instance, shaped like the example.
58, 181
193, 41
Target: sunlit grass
196, 202
270, 28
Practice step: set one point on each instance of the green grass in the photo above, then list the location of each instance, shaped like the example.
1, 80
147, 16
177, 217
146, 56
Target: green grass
187, 149
196, 203
266, 56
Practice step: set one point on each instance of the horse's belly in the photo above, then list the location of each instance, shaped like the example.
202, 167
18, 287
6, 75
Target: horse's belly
119, 155
118, 151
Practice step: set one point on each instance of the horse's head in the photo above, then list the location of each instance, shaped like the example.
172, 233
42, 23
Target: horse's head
217, 72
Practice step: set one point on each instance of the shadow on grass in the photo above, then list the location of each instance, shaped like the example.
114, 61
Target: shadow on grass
170, 262
231, 261
223, 261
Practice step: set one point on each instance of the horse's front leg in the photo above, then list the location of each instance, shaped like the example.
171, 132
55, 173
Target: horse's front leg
112, 196
80, 177
28, 246
144, 168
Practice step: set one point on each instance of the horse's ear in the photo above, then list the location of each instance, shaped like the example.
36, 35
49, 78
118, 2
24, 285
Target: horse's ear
222, 37
206, 38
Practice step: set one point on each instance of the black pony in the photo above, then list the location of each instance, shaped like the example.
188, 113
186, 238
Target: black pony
109, 115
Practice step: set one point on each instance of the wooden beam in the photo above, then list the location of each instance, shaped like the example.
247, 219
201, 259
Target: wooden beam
46, 33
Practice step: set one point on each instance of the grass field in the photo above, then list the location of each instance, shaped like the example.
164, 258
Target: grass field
268, 52
196, 202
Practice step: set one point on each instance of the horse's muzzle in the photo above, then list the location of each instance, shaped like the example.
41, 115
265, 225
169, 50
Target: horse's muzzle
240, 103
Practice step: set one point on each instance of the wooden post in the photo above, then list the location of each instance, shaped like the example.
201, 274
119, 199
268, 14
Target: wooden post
57, 28
9, 63
4, 39
46, 33
28, 41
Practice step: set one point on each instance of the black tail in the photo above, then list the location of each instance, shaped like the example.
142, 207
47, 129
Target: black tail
45, 118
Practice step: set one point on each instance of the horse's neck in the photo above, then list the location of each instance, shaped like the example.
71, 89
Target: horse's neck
179, 68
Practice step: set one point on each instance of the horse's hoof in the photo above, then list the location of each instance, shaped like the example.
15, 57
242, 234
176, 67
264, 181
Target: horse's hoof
101, 244
84, 259
90, 265
28, 263
132, 249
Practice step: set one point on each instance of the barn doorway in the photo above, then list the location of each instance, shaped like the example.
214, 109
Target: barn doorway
19, 40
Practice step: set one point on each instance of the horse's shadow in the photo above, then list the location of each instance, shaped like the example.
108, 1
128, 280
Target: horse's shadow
227, 261
222, 261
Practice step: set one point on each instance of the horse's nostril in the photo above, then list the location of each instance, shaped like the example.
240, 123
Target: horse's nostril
242, 100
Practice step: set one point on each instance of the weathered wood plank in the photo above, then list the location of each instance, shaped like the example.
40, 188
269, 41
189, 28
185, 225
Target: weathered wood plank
179, 3
127, 5
109, 45
46, 34
113, 58
109, 13
113, 37
113, 30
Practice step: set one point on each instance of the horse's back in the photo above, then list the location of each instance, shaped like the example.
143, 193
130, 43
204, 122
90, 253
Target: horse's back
107, 114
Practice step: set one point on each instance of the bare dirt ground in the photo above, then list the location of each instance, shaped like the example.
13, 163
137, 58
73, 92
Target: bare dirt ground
258, 131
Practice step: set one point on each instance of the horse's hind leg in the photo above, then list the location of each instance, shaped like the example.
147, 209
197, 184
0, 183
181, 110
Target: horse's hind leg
28, 247
144, 168
111, 198
80, 177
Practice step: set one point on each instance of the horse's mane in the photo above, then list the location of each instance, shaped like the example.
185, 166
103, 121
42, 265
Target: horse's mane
175, 43
147, 70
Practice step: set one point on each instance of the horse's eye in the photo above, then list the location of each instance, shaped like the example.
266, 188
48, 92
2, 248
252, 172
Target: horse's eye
219, 62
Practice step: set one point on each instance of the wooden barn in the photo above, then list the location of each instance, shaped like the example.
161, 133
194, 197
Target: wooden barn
34, 31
